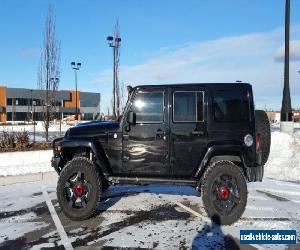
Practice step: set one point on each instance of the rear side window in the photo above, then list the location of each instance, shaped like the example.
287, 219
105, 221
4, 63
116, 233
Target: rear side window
231, 106
188, 106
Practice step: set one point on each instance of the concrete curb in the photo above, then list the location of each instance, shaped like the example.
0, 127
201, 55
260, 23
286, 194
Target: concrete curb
13, 179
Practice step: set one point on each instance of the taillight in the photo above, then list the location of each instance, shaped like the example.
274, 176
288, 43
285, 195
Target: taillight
258, 142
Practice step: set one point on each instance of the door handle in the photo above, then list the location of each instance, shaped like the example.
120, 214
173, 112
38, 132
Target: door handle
125, 137
160, 132
196, 132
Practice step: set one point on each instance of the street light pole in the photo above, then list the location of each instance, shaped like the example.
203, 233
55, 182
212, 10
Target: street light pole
286, 107
33, 103
286, 110
55, 81
114, 82
76, 67
114, 43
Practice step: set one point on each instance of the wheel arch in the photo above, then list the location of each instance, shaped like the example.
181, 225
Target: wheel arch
92, 150
233, 153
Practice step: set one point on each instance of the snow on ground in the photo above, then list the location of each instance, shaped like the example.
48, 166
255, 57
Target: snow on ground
145, 217
263, 211
16, 210
284, 159
25, 162
277, 125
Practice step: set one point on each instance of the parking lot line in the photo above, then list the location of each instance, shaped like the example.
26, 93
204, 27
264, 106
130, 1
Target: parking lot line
191, 211
60, 229
205, 218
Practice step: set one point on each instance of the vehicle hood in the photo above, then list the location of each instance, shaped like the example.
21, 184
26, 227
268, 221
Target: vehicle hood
93, 128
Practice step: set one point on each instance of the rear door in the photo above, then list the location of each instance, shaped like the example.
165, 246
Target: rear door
188, 137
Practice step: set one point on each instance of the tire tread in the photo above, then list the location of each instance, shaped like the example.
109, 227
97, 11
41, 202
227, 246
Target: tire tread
204, 191
83, 161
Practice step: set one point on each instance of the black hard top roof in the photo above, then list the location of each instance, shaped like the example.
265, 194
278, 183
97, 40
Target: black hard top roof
226, 85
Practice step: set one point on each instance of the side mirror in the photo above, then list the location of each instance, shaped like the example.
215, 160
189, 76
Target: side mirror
131, 118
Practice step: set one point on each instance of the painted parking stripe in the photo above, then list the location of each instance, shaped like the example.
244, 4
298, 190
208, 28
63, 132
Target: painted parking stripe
191, 211
60, 229
206, 219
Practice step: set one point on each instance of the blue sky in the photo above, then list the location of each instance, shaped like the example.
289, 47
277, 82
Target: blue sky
162, 42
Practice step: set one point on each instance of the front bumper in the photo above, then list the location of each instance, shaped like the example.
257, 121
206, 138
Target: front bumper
56, 159
55, 163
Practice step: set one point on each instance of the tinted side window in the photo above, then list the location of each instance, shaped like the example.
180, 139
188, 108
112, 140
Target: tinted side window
149, 107
188, 106
231, 106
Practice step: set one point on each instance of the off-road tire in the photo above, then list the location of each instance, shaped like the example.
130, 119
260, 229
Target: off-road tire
89, 170
263, 129
211, 173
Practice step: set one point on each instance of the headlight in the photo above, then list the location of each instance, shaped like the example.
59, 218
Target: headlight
248, 140
57, 148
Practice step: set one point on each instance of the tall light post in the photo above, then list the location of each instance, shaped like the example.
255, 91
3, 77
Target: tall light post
55, 81
114, 43
31, 104
76, 67
33, 118
286, 107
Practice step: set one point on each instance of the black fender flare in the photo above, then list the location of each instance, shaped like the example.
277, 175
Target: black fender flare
94, 146
216, 150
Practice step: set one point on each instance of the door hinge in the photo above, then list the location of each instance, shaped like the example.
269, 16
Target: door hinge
126, 158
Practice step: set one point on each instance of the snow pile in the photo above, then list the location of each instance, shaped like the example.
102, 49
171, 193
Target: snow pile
20, 163
284, 159
277, 125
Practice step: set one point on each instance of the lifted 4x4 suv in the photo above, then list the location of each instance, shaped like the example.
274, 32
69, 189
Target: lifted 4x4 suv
205, 135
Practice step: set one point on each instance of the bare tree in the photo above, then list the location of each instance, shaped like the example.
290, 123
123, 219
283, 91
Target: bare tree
49, 70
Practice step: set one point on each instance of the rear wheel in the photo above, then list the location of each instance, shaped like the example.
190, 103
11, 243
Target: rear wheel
263, 130
224, 192
78, 189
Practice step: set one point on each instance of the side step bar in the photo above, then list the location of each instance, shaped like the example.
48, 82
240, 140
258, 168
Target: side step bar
143, 180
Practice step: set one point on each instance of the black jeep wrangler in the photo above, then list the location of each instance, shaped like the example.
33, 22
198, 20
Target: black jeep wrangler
204, 135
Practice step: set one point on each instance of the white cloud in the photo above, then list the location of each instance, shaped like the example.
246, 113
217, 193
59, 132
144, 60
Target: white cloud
249, 58
294, 52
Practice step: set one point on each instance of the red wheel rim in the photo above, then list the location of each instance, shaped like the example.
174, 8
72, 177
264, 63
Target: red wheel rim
224, 193
78, 189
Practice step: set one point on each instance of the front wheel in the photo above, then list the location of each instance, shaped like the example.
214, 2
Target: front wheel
224, 192
78, 189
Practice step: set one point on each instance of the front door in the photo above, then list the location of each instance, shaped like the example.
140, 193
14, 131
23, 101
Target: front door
188, 137
145, 144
